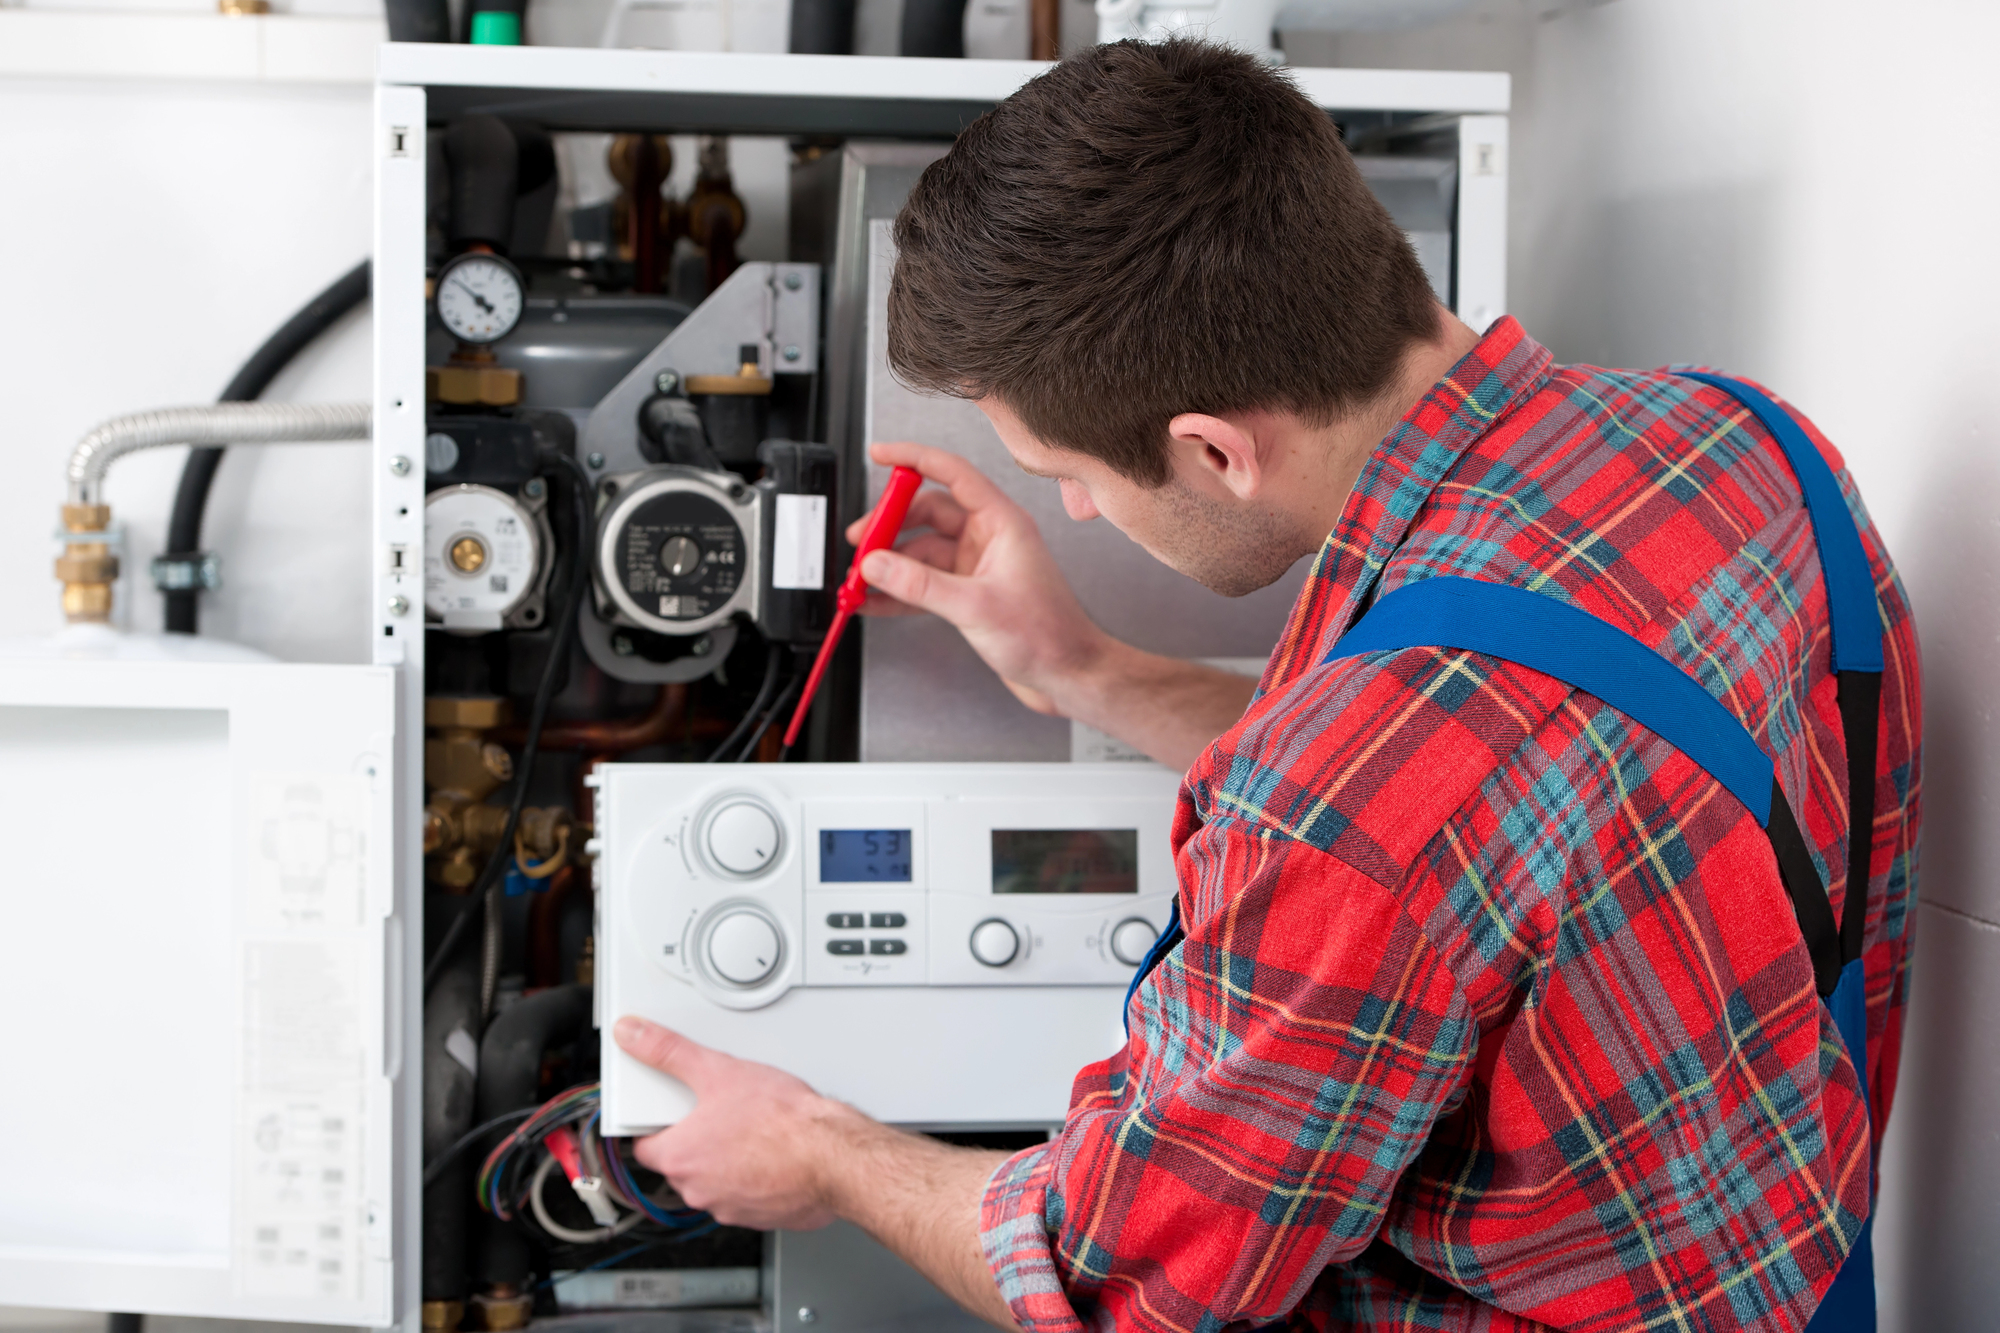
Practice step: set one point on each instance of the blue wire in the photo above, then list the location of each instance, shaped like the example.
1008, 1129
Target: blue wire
677, 1219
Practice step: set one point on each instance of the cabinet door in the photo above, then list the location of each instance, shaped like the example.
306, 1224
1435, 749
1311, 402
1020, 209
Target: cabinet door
197, 947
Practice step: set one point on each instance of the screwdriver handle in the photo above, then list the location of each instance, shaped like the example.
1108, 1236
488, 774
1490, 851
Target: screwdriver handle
883, 525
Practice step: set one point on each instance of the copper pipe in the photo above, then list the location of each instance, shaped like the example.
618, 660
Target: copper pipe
646, 176
611, 735
1044, 29
545, 930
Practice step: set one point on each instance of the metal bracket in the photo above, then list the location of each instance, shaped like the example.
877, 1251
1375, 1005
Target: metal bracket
179, 573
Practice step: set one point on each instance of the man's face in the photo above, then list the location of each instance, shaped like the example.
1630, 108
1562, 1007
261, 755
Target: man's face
1192, 523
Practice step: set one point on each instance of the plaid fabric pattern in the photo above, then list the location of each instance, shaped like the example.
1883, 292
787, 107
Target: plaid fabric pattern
1492, 1012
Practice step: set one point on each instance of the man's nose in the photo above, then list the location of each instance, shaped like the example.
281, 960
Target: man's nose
1076, 501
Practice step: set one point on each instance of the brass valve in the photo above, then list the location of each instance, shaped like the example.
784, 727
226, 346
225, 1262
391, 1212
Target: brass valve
87, 569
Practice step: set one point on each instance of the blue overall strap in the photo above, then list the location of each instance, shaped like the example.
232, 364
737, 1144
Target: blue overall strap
1856, 623
1598, 658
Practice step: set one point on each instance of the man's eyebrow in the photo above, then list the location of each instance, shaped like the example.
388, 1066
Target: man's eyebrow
1037, 472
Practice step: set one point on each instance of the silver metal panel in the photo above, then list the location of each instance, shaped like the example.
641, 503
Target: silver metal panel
837, 1280
924, 694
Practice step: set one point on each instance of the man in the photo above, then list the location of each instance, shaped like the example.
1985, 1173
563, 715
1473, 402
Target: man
1491, 1010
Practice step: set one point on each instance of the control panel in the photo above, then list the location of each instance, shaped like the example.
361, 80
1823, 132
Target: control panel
939, 944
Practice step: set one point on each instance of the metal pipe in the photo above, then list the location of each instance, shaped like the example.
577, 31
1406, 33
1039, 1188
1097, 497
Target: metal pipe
220, 423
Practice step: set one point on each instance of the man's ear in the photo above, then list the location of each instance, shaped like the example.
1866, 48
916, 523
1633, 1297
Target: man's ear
1215, 447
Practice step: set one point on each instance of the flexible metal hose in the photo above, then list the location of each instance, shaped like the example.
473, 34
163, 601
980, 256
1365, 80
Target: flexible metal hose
220, 423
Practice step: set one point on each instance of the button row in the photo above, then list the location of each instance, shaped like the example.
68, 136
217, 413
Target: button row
876, 920
853, 948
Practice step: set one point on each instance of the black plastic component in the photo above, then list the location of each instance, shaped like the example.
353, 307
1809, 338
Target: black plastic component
680, 555
799, 615
418, 20
198, 473
734, 423
887, 947
887, 920
492, 451
485, 164
844, 920
671, 431
823, 27
934, 28
843, 948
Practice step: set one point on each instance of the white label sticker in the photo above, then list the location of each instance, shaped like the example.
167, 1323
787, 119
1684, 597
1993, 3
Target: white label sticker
310, 857
798, 548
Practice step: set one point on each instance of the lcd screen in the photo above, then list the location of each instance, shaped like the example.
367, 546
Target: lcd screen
864, 856
1091, 860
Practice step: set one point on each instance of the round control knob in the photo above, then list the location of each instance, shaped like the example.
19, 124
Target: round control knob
994, 942
742, 838
743, 948
1131, 938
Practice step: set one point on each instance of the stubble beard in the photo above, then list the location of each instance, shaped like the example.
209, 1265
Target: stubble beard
1227, 550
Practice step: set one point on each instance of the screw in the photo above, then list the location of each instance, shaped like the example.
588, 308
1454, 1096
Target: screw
808, 1315
701, 647
793, 282
666, 381
400, 466
595, 460
621, 645
399, 605
533, 490
736, 491
792, 351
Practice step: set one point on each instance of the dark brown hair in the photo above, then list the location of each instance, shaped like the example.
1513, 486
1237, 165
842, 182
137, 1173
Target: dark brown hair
1147, 230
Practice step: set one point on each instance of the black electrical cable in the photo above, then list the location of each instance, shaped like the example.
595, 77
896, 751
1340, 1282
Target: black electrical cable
470, 1137
579, 579
750, 746
198, 473
756, 705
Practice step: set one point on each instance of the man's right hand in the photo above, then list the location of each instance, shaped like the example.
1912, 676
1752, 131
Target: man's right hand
979, 562
982, 566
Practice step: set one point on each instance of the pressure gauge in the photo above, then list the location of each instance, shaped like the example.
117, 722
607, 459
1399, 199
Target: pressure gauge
479, 297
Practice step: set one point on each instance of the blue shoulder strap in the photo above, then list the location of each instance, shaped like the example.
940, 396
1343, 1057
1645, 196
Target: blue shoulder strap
1850, 586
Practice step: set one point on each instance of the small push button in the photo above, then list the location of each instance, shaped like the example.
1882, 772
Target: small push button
844, 920
887, 947
887, 921
844, 948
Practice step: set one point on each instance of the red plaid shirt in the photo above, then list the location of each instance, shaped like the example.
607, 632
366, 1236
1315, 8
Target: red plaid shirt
1492, 1011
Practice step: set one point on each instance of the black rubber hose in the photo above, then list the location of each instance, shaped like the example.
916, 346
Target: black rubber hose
451, 1052
510, 1075
823, 27
934, 28
485, 165
198, 473
419, 20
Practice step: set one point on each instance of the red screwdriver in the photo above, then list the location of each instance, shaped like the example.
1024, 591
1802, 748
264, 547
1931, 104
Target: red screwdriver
880, 532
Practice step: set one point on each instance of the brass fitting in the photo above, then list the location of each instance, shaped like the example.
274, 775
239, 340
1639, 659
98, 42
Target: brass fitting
489, 386
504, 1307
442, 1316
87, 569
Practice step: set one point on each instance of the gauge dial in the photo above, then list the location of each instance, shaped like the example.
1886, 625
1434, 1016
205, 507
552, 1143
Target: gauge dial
479, 297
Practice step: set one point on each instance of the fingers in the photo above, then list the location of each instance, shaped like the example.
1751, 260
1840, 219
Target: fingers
667, 1051
935, 551
967, 484
917, 584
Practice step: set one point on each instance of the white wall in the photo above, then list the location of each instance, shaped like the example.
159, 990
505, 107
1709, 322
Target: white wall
155, 234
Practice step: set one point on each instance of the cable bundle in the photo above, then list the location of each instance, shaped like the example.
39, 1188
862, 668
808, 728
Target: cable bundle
562, 1134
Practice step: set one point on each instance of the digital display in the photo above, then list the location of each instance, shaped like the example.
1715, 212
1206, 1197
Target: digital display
1092, 860
864, 856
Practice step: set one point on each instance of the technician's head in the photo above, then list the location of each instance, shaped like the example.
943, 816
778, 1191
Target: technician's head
1135, 260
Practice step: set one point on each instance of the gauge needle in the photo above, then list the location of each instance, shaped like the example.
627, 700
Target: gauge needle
484, 304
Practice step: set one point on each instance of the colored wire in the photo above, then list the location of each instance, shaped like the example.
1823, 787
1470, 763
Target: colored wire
594, 1236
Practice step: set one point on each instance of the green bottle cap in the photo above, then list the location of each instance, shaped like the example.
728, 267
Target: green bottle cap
496, 27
